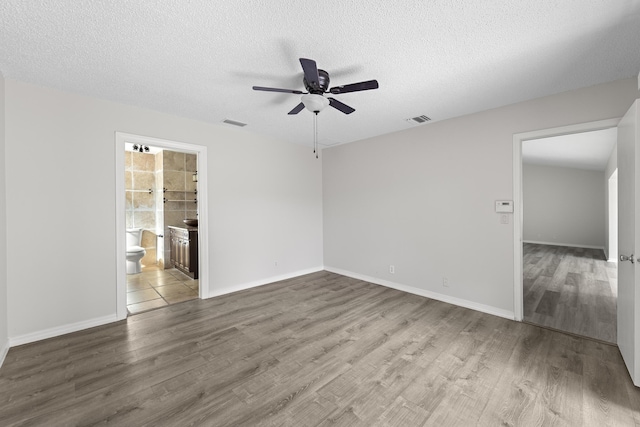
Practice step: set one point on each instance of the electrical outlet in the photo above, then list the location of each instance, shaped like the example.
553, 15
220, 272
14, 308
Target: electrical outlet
504, 219
445, 282
392, 269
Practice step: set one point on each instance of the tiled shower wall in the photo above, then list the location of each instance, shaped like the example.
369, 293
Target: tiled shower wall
167, 170
176, 175
140, 204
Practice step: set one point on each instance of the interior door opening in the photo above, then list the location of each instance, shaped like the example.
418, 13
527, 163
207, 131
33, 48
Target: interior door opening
161, 189
564, 277
157, 190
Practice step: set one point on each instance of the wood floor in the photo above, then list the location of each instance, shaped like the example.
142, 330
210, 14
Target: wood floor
570, 289
317, 350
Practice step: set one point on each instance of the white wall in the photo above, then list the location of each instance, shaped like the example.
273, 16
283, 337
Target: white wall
4, 328
564, 206
264, 205
423, 199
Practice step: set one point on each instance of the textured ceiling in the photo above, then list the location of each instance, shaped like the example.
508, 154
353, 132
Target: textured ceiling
586, 150
200, 58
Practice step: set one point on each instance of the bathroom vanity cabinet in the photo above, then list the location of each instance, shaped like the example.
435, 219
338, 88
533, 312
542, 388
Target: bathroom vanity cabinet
184, 249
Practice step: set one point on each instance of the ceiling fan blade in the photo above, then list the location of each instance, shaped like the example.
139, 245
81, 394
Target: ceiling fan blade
275, 89
310, 72
340, 106
297, 109
355, 87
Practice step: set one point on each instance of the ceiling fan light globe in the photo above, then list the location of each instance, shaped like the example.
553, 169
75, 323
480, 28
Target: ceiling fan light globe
314, 102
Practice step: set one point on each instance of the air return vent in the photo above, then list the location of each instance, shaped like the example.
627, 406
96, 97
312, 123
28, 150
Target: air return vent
233, 122
419, 119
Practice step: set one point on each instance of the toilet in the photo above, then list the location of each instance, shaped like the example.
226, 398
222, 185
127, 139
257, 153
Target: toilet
135, 252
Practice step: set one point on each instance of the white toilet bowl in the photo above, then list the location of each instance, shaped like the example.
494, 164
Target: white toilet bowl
135, 252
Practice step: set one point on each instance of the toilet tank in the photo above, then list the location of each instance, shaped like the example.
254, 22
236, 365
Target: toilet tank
134, 237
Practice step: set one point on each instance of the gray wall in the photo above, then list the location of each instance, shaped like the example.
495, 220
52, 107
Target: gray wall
564, 206
264, 205
4, 328
423, 199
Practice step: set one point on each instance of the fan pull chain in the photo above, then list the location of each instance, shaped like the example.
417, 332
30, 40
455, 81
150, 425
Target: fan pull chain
315, 134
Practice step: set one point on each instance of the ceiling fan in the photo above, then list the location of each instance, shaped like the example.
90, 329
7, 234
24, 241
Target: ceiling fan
316, 82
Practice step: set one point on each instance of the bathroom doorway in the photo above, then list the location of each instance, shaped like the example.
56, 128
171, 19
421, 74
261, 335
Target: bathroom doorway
162, 198
161, 188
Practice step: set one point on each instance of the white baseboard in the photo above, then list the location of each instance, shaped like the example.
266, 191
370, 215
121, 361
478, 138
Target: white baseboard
74, 327
428, 294
256, 283
569, 245
61, 330
609, 258
3, 352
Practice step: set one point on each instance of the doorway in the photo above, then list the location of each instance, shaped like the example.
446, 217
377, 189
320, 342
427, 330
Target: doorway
558, 273
161, 201
189, 278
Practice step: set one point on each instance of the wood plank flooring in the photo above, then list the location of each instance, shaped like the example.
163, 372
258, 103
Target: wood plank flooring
570, 289
317, 350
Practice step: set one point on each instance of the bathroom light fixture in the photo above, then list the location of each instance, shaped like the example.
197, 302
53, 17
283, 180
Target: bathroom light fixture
141, 148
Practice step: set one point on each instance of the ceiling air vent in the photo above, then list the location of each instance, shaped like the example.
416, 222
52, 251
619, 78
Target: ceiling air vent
233, 122
419, 119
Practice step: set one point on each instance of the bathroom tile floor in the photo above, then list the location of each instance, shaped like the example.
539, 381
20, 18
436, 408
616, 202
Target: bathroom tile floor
155, 288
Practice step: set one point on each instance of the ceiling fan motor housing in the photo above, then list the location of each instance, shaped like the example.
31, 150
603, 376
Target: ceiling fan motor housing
323, 83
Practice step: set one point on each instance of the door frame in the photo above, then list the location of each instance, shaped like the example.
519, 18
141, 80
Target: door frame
120, 203
612, 192
518, 138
